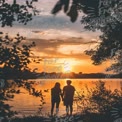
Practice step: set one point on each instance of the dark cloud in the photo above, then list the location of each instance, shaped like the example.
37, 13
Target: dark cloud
54, 43
50, 47
51, 22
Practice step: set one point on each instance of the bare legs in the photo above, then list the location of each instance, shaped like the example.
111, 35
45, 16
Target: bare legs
57, 107
67, 109
52, 108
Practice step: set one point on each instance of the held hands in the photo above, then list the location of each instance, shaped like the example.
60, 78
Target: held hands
62, 99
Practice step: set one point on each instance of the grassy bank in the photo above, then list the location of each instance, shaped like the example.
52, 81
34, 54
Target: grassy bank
89, 117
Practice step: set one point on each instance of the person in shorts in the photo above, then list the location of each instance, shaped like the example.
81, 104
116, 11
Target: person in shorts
68, 95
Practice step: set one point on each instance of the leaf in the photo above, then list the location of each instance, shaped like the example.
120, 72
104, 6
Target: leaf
73, 13
1, 32
29, 4
66, 6
57, 7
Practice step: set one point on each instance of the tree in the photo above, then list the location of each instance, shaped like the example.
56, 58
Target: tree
110, 47
103, 15
94, 11
15, 11
15, 55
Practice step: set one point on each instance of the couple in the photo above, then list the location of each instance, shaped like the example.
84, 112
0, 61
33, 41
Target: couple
67, 97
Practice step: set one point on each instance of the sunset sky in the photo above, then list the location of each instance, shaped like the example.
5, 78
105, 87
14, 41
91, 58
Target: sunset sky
59, 40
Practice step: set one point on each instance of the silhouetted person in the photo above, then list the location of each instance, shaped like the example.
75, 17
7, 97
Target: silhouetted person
68, 94
55, 97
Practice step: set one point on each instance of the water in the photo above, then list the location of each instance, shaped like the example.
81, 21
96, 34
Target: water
26, 104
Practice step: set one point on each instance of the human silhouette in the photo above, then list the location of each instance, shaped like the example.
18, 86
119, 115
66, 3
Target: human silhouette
68, 94
55, 97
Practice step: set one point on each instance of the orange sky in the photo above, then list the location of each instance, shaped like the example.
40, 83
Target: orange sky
81, 63
58, 38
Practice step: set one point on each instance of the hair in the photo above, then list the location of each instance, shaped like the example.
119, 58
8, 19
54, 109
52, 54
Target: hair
57, 85
69, 82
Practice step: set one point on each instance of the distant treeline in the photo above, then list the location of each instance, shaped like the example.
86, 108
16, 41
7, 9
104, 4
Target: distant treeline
77, 75
53, 75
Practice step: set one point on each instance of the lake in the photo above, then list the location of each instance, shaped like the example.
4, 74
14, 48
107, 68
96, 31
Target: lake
26, 104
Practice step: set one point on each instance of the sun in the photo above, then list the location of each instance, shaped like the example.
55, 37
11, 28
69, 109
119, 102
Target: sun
67, 68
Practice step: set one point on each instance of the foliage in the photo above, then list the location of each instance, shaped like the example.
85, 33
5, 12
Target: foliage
13, 87
99, 100
15, 55
116, 67
110, 45
27, 119
73, 13
92, 9
15, 11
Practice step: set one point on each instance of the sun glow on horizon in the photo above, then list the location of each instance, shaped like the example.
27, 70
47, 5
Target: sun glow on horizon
67, 68
69, 65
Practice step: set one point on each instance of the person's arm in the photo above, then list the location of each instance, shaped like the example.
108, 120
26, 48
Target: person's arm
74, 90
63, 95
51, 92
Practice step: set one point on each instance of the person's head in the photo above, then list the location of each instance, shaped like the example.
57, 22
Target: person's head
69, 82
57, 85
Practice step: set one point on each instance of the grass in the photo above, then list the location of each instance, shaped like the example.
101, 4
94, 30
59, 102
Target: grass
89, 117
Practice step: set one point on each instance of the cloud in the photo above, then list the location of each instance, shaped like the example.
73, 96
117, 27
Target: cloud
70, 47
48, 26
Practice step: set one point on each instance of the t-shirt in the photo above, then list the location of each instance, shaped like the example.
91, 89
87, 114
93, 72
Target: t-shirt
69, 92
